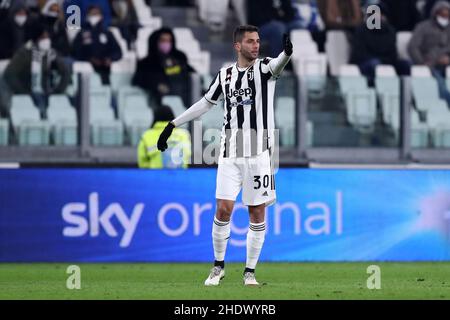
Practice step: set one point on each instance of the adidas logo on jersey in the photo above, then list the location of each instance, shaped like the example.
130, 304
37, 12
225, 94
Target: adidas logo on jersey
239, 93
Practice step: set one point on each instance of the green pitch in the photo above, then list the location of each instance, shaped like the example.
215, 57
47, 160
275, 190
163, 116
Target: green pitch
185, 281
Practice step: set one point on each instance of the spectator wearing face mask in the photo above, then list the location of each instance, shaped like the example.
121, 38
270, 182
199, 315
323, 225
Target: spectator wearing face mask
13, 32
96, 44
165, 70
36, 69
52, 19
430, 45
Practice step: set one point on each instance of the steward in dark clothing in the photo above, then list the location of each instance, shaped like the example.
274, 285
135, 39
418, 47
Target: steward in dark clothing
165, 70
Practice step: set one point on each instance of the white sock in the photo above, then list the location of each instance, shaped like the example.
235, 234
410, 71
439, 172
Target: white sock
220, 235
255, 240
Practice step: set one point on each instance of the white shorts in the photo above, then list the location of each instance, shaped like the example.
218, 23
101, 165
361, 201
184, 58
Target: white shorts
254, 175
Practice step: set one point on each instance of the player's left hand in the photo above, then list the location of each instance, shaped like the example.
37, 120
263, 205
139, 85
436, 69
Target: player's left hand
164, 136
287, 44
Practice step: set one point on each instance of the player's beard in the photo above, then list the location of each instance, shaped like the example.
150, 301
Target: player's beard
248, 55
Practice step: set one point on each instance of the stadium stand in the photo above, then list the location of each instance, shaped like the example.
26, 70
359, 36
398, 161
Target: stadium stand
342, 108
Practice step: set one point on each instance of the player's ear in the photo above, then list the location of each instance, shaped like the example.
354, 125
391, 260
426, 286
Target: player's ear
237, 46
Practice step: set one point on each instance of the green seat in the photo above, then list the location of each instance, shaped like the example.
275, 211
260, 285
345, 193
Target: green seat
362, 109
177, 106
137, 118
285, 114
63, 120
388, 92
26, 121
4, 132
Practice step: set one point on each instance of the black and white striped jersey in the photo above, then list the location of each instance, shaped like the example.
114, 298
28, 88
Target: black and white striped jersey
248, 94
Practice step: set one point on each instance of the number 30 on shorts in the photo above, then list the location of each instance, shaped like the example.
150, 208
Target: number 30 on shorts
265, 182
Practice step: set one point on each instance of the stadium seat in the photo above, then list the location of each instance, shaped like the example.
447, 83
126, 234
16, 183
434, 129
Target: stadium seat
100, 97
285, 112
62, 118
106, 131
403, 39
176, 104
27, 123
419, 131
309, 133
301, 36
142, 41
337, 49
4, 132
3, 65
136, 117
200, 61
387, 85
120, 80
144, 15
361, 109
123, 95
314, 70
95, 81
214, 117
438, 121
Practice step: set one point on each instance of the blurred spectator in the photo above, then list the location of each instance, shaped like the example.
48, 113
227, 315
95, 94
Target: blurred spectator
165, 70
429, 6
180, 142
124, 17
430, 45
403, 14
96, 44
36, 69
13, 33
31, 5
340, 14
52, 19
371, 48
273, 18
86, 4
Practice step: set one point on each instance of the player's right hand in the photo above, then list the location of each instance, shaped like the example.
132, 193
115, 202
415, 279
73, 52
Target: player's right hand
164, 136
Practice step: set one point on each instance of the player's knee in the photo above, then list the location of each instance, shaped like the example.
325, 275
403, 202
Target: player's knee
257, 214
224, 211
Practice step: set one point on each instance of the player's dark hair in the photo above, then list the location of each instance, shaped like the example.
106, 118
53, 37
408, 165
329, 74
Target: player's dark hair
239, 32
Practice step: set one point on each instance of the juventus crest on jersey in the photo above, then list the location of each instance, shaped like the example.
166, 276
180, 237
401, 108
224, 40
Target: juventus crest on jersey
249, 126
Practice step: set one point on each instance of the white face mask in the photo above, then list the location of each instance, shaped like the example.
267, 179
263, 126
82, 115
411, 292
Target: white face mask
443, 22
45, 44
94, 20
20, 20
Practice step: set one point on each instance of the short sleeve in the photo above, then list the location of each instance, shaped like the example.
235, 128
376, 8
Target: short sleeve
214, 93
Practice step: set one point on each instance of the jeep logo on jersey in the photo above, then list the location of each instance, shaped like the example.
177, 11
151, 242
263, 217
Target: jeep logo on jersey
239, 93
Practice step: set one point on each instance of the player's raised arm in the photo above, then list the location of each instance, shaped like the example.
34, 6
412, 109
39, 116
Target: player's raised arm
277, 64
196, 110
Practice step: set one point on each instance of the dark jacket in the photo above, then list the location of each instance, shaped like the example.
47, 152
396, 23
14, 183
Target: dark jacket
377, 43
12, 36
57, 31
96, 42
157, 68
260, 12
18, 73
429, 41
402, 14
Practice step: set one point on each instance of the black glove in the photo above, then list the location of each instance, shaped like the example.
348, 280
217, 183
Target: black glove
287, 44
162, 141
